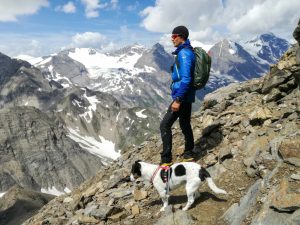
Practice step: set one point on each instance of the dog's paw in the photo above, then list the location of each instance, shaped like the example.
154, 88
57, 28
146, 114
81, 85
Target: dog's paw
185, 208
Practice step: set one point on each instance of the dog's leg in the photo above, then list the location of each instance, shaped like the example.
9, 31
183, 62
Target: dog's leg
164, 199
191, 190
196, 194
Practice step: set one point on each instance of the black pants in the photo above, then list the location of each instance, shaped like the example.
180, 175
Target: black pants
184, 115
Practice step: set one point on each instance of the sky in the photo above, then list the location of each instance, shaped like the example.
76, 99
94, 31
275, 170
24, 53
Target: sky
42, 27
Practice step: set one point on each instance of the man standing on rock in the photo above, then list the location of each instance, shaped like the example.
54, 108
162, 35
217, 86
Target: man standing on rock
183, 95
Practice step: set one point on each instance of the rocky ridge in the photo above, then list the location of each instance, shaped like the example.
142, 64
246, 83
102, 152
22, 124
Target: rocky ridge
19, 204
247, 135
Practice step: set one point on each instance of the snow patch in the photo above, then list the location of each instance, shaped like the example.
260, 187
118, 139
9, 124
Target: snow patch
67, 190
52, 191
140, 114
1, 194
206, 47
93, 100
103, 148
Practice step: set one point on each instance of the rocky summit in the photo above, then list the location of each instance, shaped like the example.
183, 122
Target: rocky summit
247, 135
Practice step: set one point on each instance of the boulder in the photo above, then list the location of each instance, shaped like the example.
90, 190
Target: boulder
285, 201
290, 150
139, 194
178, 218
236, 214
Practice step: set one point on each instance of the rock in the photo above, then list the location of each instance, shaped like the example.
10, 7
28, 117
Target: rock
120, 193
100, 212
67, 200
135, 210
274, 79
260, 113
295, 176
295, 218
82, 219
139, 194
296, 33
210, 160
274, 95
178, 218
117, 217
285, 201
236, 214
274, 146
225, 153
268, 216
290, 150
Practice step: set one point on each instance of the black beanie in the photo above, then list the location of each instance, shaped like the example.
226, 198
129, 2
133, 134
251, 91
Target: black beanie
181, 30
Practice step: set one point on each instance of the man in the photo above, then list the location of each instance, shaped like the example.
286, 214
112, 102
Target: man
183, 95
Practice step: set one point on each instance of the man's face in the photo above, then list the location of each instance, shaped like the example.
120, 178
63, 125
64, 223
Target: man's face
177, 40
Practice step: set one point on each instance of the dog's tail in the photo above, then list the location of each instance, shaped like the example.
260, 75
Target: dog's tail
204, 175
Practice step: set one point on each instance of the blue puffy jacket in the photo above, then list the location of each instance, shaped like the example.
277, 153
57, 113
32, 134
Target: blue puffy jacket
182, 76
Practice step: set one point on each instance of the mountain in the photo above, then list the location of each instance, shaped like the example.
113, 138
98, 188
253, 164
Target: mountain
55, 136
267, 47
134, 75
246, 135
137, 76
233, 62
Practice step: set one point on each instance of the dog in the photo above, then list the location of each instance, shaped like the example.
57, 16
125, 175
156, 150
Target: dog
189, 173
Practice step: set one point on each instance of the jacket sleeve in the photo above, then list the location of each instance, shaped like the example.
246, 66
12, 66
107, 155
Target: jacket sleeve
185, 62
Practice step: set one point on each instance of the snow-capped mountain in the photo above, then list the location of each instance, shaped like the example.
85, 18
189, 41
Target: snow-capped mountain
136, 76
234, 62
49, 131
267, 47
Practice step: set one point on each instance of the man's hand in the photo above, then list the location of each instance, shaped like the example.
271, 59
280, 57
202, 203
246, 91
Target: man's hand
175, 106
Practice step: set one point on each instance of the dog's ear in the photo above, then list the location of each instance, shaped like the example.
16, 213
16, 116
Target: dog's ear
136, 168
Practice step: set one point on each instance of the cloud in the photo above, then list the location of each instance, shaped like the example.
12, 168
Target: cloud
89, 40
33, 44
67, 8
211, 20
92, 7
133, 7
114, 4
11, 10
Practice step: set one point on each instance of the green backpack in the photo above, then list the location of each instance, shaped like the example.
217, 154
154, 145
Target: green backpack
202, 68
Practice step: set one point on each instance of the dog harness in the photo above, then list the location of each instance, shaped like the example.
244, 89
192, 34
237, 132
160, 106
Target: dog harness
166, 174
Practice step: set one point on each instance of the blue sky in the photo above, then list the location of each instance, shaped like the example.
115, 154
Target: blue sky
41, 27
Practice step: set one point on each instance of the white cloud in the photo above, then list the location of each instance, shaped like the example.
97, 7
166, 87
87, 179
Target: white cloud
209, 20
114, 4
33, 44
11, 10
67, 8
92, 7
133, 7
89, 40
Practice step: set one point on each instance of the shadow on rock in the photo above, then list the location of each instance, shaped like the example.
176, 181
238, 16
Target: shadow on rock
211, 137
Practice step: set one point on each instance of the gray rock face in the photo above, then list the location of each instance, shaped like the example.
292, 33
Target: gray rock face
36, 153
236, 214
62, 64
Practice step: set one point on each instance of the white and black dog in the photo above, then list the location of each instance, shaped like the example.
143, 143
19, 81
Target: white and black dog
190, 173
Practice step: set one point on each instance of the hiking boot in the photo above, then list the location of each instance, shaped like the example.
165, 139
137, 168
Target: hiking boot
166, 164
188, 158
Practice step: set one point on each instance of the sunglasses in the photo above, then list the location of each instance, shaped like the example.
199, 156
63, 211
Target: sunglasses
174, 36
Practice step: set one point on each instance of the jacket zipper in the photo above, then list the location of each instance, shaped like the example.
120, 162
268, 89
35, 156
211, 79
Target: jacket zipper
177, 72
